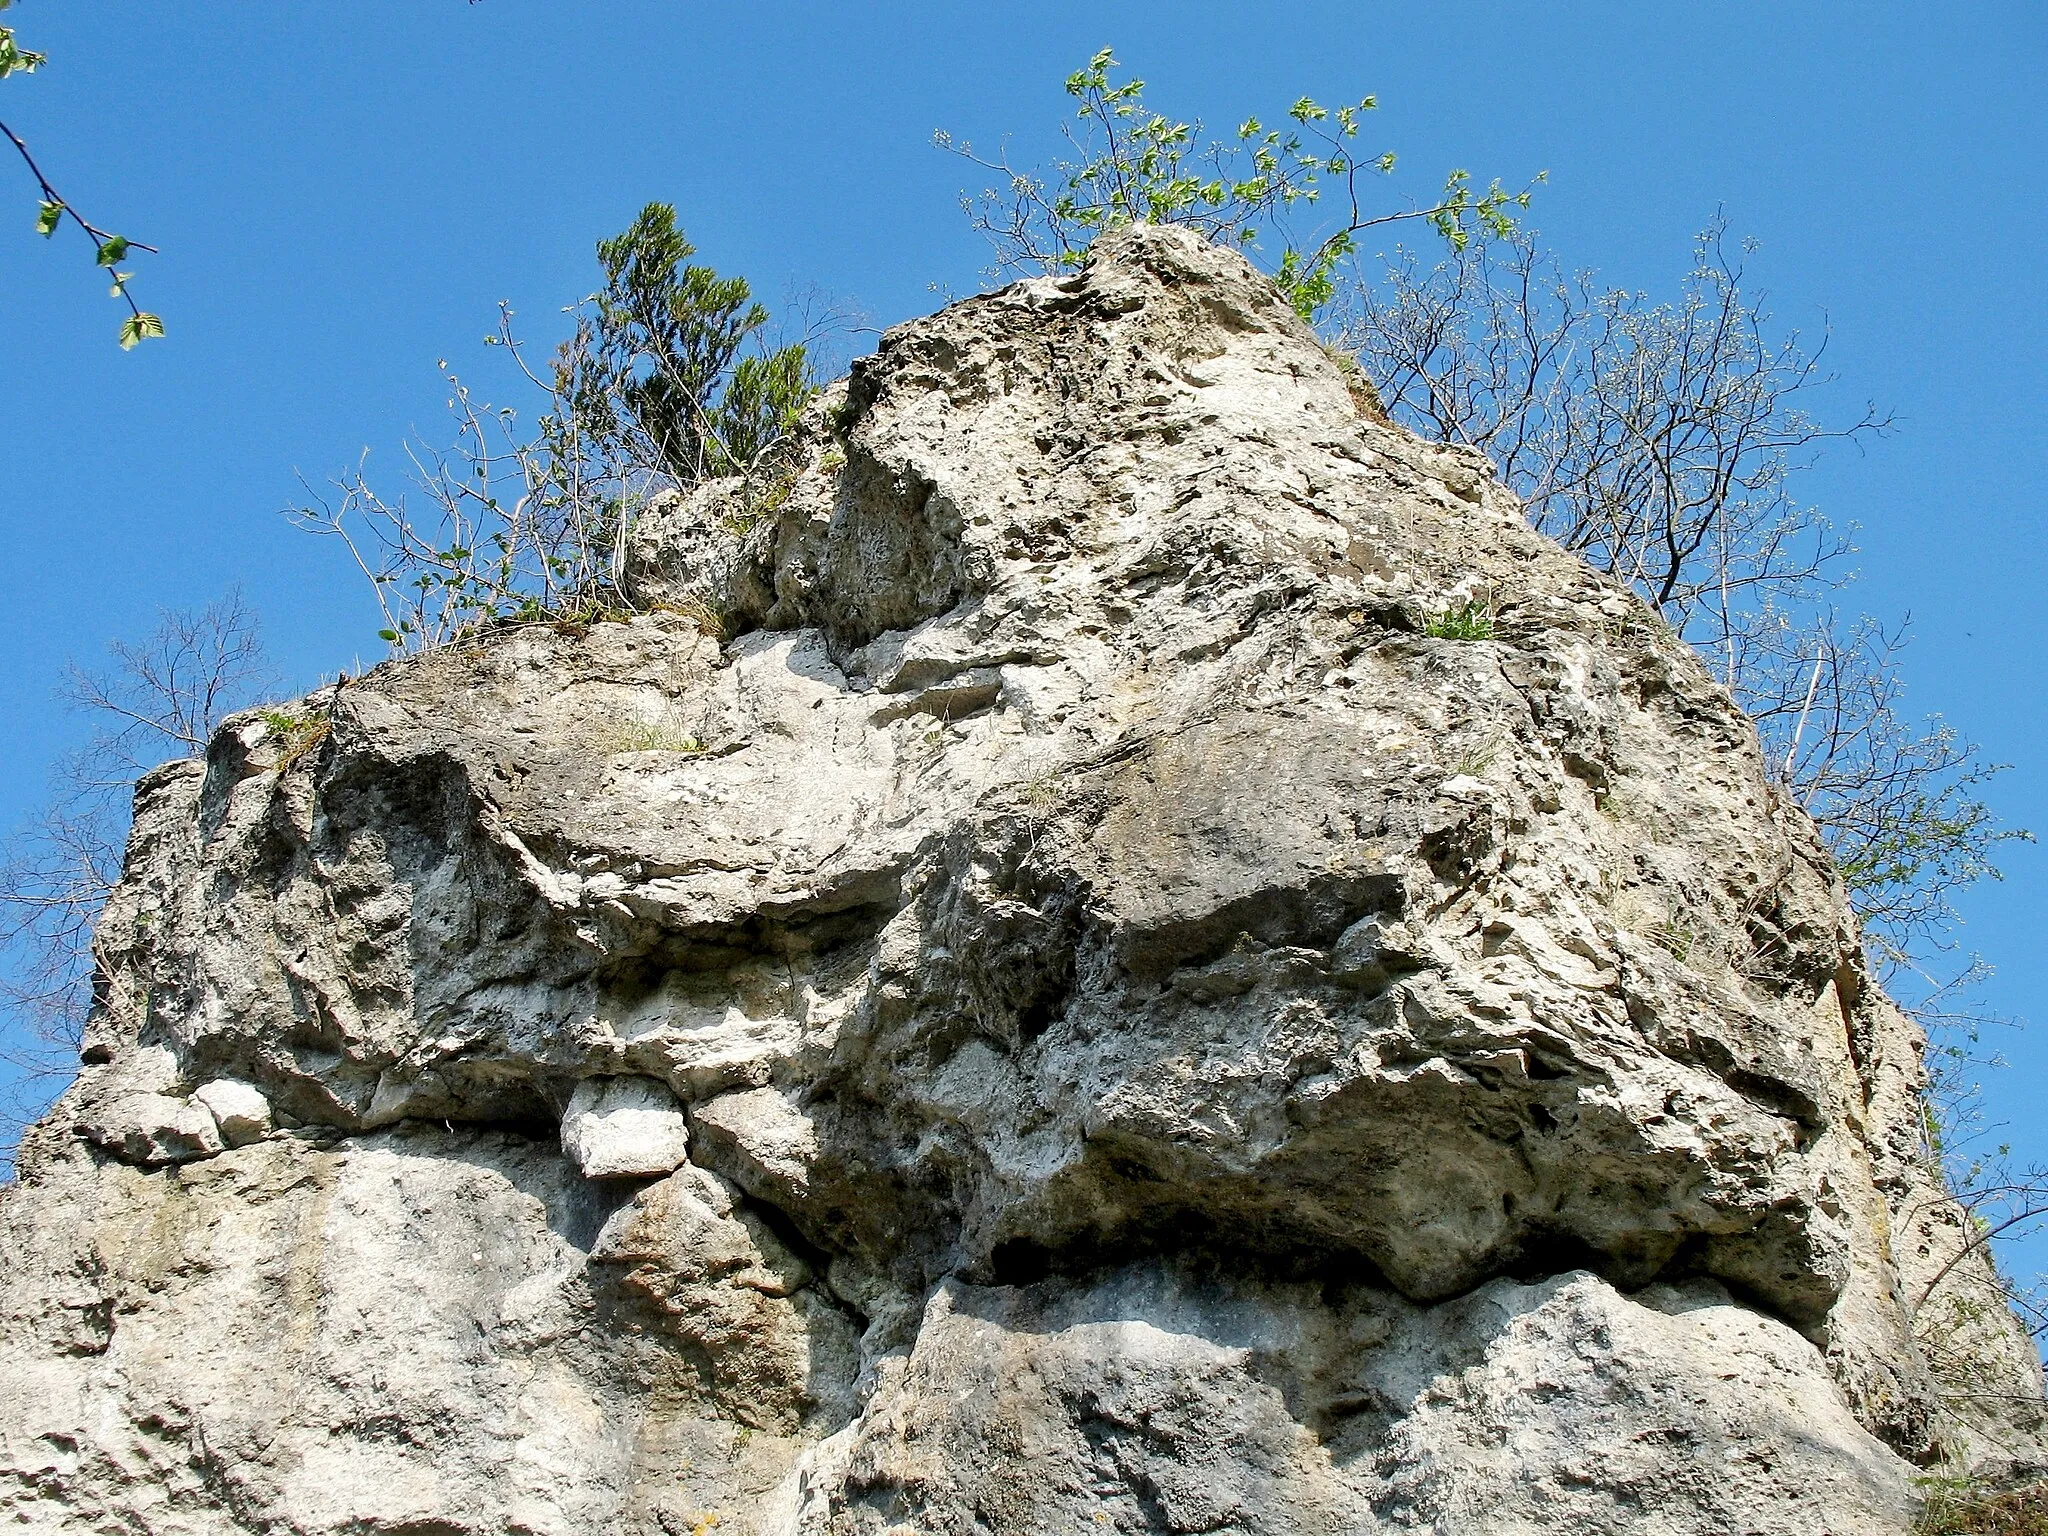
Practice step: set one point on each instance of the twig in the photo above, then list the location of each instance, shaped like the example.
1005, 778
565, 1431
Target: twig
101, 238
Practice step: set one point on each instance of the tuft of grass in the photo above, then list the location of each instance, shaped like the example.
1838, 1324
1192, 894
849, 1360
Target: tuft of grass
576, 619
297, 733
1676, 936
1043, 793
1957, 1508
1365, 395
762, 497
663, 735
1468, 621
700, 610
1475, 760
841, 417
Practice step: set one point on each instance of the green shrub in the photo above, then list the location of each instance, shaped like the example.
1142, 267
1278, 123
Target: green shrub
1468, 621
667, 381
297, 733
667, 343
1135, 166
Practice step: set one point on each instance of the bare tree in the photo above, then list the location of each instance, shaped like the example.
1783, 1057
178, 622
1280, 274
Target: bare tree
1662, 441
159, 699
164, 697
513, 521
1895, 798
1995, 1198
1659, 440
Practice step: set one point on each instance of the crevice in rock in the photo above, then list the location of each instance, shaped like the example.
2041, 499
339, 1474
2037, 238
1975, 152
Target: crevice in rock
818, 934
1312, 914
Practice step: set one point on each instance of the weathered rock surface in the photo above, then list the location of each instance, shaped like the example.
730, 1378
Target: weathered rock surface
1125, 1030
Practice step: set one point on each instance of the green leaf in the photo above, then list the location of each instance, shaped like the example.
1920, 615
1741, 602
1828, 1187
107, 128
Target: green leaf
15, 59
140, 326
113, 251
47, 215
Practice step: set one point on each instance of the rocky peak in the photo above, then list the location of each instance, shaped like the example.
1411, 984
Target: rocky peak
1040, 985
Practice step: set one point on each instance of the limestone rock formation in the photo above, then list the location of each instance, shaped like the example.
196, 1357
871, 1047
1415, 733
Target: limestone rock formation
1106, 1019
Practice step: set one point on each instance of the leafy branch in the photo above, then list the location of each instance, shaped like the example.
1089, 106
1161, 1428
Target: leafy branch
109, 249
1135, 166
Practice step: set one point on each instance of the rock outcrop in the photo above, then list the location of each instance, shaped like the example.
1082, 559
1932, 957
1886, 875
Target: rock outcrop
1038, 987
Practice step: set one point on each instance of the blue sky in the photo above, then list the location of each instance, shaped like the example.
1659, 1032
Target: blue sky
343, 195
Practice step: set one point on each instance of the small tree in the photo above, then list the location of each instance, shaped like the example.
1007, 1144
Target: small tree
1132, 165
668, 343
667, 379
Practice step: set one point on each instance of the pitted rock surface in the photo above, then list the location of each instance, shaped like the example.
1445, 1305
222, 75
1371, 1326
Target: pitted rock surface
1162, 1041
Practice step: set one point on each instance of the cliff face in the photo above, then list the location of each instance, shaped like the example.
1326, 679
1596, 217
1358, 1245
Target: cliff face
1083, 1016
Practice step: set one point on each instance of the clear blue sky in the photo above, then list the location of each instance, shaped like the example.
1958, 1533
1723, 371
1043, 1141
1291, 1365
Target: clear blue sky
343, 194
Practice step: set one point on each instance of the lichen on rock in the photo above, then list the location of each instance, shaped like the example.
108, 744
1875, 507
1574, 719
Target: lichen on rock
1114, 1025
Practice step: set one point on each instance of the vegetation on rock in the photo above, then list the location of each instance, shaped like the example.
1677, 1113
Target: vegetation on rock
1960, 1510
1133, 166
668, 379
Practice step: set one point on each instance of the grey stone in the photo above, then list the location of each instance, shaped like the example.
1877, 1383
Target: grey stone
1164, 1043
762, 1141
624, 1127
1202, 1404
156, 1128
240, 1109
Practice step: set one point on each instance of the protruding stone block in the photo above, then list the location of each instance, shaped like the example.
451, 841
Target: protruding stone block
625, 1128
762, 1142
240, 1109
156, 1128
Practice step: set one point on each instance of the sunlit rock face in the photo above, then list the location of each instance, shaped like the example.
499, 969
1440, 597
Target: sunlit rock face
1100, 1020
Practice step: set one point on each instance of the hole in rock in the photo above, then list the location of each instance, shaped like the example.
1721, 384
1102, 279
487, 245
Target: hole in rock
1544, 1253
1019, 1261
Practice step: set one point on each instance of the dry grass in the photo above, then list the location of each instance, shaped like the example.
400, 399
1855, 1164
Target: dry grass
663, 735
1964, 1511
296, 734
